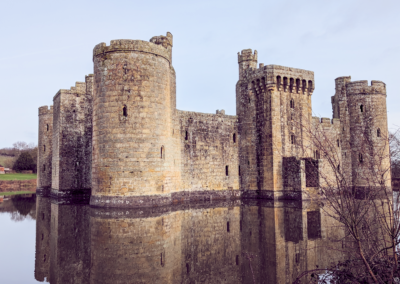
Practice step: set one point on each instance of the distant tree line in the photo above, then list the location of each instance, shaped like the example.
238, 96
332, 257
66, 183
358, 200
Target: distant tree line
20, 157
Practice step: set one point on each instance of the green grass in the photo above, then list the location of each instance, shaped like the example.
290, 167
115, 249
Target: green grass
16, 193
18, 176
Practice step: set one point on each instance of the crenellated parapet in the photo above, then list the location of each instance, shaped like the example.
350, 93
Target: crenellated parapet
44, 110
362, 88
280, 78
159, 45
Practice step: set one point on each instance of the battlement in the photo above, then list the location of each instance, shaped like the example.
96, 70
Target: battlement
45, 110
247, 55
285, 79
362, 88
160, 45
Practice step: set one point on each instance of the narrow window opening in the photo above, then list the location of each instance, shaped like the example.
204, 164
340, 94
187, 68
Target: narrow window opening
248, 163
44, 167
291, 85
378, 132
125, 111
186, 135
338, 143
226, 170
249, 100
237, 259
47, 127
361, 108
234, 137
310, 85
42, 216
297, 85
291, 103
278, 82
317, 156
42, 237
161, 259
360, 157
285, 83
338, 168
227, 227
239, 171
304, 86
187, 268
44, 148
44, 258
293, 139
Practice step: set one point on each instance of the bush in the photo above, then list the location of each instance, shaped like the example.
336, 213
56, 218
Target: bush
24, 163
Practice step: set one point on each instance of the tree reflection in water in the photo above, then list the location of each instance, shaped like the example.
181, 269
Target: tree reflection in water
210, 242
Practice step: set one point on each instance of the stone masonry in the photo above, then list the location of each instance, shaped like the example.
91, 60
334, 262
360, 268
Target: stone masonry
119, 140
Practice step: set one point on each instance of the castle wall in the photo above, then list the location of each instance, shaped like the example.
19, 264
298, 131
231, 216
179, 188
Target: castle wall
72, 139
134, 98
208, 146
44, 157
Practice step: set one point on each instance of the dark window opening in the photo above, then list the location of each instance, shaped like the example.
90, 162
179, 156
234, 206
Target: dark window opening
234, 137
360, 157
187, 268
226, 170
237, 259
227, 227
361, 108
186, 135
297, 257
278, 82
125, 111
248, 162
293, 139
42, 237
378, 132
239, 170
47, 127
291, 85
338, 143
297, 85
291, 103
44, 258
44, 167
161, 259
304, 86
310, 85
249, 100
44, 148
338, 168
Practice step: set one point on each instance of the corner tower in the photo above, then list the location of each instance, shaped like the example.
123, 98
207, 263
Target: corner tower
133, 107
44, 162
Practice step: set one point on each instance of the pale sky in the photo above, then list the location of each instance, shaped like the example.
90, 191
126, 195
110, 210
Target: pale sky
48, 45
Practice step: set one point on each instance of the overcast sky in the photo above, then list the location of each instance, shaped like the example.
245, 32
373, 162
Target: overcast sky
48, 45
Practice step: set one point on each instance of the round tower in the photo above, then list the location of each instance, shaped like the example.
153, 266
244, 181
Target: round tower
44, 156
133, 109
369, 137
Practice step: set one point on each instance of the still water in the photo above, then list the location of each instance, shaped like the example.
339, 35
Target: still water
210, 242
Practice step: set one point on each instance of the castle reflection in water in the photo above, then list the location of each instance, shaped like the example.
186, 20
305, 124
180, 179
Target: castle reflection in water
210, 242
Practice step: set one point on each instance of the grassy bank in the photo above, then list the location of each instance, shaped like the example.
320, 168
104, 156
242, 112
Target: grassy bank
18, 176
16, 193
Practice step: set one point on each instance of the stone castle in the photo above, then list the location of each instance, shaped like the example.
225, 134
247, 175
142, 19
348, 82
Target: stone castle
118, 139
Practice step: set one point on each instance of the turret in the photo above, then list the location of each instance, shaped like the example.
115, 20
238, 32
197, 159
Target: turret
44, 157
134, 88
246, 60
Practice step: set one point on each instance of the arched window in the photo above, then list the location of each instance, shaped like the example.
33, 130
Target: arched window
360, 158
125, 111
44, 148
186, 135
297, 85
234, 137
378, 132
293, 139
361, 108
47, 127
227, 170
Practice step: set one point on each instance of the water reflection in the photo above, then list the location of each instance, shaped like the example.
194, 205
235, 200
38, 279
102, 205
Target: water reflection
20, 207
227, 242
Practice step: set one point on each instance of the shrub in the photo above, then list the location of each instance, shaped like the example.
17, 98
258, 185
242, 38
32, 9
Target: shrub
24, 163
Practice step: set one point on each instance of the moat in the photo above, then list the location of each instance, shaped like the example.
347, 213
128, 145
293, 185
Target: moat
235, 241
